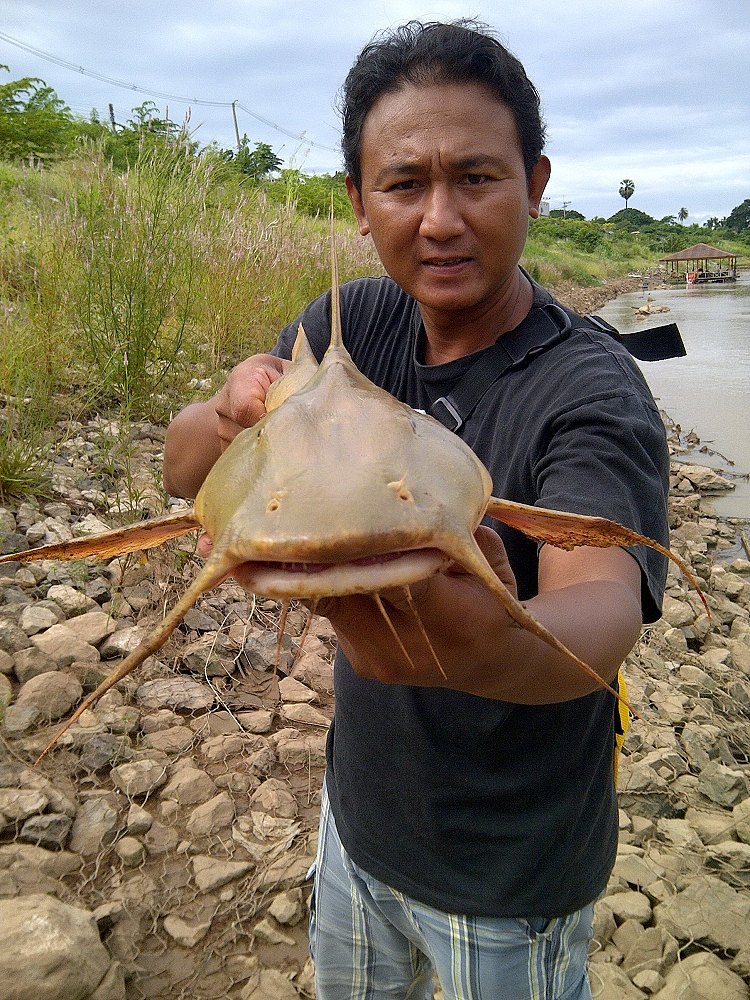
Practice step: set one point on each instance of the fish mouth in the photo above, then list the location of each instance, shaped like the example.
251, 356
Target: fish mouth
289, 580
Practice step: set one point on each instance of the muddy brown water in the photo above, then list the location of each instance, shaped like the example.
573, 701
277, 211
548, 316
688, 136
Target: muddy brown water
707, 391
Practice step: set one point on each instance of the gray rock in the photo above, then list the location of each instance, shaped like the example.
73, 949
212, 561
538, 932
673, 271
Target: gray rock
655, 949
64, 647
19, 720
139, 778
103, 750
211, 873
93, 627
731, 861
49, 830
12, 638
31, 662
70, 600
210, 818
36, 619
189, 786
702, 977
49, 950
52, 694
722, 785
179, 693
18, 804
95, 827
609, 982
6, 663
186, 933
709, 912
130, 851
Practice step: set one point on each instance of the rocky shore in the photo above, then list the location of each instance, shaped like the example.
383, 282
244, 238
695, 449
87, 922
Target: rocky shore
161, 851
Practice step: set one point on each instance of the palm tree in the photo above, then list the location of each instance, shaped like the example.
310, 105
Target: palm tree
682, 215
627, 187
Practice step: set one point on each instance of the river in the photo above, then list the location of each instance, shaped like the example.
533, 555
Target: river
707, 391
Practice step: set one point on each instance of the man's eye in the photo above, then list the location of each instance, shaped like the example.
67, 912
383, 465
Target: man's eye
475, 178
403, 185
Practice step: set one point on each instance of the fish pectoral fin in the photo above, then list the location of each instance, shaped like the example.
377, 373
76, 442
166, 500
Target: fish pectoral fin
117, 542
568, 531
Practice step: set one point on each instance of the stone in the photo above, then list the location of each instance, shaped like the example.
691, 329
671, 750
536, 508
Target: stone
140, 777
629, 905
211, 873
270, 985
741, 820
275, 798
139, 820
18, 804
609, 982
260, 721
267, 930
178, 693
655, 949
130, 851
186, 933
95, 827
292, 690
49, 950
731, 861
49, 830
70, 600
12, 638
123, 641
722, 785
305, 714
212, 817
288, 907
64, 647
53, 694
31, 662
702, 976
93, 627
189, 786
708, 912
36, 619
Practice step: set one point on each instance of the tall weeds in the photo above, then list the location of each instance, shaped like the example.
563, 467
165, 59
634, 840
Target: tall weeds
116, 290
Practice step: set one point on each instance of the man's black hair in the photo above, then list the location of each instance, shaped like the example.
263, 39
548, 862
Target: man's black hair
427, 53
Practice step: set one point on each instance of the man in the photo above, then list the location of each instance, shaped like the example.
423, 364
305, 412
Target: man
470, 822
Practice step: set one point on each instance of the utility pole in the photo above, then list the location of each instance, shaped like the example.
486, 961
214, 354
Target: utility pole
236, 128
565, 209
112, 116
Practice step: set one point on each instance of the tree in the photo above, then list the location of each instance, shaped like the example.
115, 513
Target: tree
627, 187
682, 215
738, 219
33, 120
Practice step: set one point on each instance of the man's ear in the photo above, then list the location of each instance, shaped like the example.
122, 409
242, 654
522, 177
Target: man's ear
359, 209
537, 183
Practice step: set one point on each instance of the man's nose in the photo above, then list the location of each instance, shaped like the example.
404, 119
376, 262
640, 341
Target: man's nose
441, 217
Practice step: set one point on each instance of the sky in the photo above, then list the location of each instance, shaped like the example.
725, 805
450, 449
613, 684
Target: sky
657, 91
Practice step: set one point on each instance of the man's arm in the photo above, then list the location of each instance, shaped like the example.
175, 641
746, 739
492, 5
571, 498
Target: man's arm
200, 433
588, 598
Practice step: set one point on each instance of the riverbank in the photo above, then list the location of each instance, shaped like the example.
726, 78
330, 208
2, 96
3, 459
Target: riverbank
590, 298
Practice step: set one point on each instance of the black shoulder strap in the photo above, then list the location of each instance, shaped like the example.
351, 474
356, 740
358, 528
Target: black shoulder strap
516, 348
511, 351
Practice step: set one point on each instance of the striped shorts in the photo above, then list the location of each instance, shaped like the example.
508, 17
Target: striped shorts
370, 942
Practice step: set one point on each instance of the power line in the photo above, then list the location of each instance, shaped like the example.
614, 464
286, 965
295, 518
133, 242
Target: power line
66, 64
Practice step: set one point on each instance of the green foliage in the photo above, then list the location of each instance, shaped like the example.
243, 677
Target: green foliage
34, 122
738, 220
258, 163
565, 213
312, 195
630, 217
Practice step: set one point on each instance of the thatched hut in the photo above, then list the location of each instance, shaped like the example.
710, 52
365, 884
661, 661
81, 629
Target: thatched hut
701, 263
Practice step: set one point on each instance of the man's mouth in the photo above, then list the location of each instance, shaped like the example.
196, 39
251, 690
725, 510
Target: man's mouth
446, 261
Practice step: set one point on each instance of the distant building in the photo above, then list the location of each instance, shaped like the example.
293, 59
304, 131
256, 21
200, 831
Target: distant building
544, 207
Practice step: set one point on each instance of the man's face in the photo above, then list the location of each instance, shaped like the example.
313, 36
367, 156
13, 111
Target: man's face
445, 195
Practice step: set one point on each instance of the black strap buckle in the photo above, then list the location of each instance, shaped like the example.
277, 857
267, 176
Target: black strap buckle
444, 411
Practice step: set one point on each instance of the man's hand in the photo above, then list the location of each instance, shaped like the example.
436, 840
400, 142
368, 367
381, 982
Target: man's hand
240, 402
202, 431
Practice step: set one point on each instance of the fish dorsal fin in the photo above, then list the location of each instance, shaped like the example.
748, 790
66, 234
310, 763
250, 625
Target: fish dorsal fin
337, 341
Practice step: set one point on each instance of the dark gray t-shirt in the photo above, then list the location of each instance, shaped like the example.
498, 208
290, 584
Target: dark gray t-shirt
465, 803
